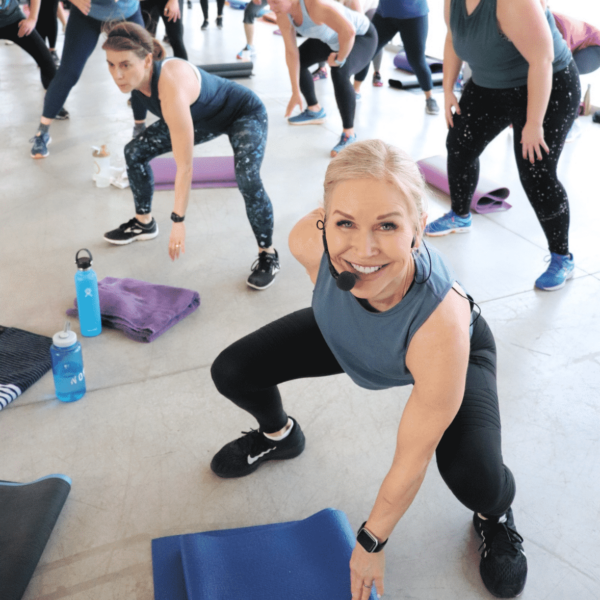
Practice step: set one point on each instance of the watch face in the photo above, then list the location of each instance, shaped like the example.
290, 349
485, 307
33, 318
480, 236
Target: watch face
366, 541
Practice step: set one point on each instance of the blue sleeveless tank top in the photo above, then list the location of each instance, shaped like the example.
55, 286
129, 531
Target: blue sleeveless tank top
324, 33
493, 58
371, 347
109, 10
219, 104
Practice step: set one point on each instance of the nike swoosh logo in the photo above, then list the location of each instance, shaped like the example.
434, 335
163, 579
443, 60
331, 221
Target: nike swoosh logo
253, 459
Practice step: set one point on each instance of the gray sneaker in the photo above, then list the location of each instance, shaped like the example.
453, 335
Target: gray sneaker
431, 106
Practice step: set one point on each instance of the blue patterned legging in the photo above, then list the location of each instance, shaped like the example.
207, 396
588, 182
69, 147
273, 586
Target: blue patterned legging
248, 137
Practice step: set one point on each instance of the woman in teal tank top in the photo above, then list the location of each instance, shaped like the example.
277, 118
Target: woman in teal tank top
404, 321
524, 75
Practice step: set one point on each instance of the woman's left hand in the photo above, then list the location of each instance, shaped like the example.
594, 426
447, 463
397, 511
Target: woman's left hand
26, 27
177, 240
366, 570
331, 59
532, 142
172, 11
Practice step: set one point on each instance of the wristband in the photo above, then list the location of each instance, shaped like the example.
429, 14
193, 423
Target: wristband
339, 63
176, 218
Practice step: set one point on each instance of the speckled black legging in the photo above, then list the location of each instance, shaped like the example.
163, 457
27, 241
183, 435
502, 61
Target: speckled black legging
485, 112
248, 137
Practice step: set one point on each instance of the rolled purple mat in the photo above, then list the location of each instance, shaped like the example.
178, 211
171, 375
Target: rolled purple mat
488, 197
401, 62
209, 172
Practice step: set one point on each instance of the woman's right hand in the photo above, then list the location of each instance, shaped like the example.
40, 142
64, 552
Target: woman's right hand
295, 100
450, 102
83, 5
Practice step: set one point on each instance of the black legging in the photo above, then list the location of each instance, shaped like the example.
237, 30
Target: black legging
414, 36
47, 23
151, 11
469, 455
485, 112
35, 47
314, 51
204, 5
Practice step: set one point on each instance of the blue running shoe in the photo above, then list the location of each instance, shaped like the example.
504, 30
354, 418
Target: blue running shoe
40, 145
308, 117
345, 141
560, 269
449, 223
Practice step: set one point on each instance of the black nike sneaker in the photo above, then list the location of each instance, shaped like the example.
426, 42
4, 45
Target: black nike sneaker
264, 269
503, 565
244, 455
131, 231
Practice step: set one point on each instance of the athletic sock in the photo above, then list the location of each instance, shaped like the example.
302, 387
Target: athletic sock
278, 438
42, 129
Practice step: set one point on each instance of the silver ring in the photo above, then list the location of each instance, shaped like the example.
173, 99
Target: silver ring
367, 586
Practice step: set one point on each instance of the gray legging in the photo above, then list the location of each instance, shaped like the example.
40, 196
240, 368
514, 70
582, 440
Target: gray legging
248, 137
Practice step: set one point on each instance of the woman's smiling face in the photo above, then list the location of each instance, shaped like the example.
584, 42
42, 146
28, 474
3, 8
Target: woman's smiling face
369, 233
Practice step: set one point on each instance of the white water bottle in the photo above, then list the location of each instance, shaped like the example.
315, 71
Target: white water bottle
101, 173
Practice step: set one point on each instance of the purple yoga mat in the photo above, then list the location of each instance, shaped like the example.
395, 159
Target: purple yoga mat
209, 172
488, 197
401, 62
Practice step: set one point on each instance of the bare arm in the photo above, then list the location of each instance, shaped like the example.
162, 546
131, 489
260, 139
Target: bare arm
323, 13
525, 24
292, 59
306, 242
437, 358
28, 25
178, 88
452, 66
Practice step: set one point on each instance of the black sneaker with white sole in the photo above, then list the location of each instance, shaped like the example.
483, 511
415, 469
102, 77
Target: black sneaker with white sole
131, 231
503, 565
244, 455
264, 269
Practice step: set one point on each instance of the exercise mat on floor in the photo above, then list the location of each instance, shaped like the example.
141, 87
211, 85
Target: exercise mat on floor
401, 62
407, 81
242, 68
28, 513
488, 197
299, 560
209, 172
24, 358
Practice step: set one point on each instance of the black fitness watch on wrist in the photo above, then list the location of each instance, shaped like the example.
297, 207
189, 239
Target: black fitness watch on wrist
176, 218
368, 541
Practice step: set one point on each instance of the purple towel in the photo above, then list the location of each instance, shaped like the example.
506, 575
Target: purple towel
142, 310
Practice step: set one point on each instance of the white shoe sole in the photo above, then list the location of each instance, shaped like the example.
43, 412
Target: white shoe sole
448, 232
313, 122
142, 238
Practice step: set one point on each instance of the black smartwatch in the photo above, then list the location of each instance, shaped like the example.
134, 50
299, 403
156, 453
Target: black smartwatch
368, 541
176, 218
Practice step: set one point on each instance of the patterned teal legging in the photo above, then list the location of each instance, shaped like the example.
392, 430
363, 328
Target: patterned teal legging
248, 137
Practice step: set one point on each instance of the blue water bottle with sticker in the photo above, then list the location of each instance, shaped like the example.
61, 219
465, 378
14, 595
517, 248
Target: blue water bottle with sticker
67, 365
88, 301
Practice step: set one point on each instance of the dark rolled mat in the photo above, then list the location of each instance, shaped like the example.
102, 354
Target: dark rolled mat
28, 513
406, 81
230, 70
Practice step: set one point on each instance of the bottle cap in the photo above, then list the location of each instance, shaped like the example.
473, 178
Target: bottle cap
84, 262
65, 338
100, 152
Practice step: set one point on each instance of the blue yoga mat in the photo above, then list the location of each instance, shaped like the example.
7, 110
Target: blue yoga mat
299, 560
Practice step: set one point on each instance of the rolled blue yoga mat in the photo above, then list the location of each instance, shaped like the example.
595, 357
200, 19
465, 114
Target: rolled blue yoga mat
298, 560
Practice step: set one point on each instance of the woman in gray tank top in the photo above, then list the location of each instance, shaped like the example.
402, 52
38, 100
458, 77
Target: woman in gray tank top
344, 38
524, 75
388, 312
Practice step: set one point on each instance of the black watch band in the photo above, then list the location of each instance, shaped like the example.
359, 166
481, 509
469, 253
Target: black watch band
176, 218
368, 541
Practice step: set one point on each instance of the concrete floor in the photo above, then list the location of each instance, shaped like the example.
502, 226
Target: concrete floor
138, 445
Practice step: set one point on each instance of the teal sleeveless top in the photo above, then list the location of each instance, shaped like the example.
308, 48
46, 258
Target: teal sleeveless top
371, 347
493, 58
324, 33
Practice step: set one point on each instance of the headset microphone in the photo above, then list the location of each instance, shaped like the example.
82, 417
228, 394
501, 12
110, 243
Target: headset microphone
345, 280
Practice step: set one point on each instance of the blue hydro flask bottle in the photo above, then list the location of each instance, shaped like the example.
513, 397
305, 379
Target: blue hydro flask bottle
67, 365
88, 302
